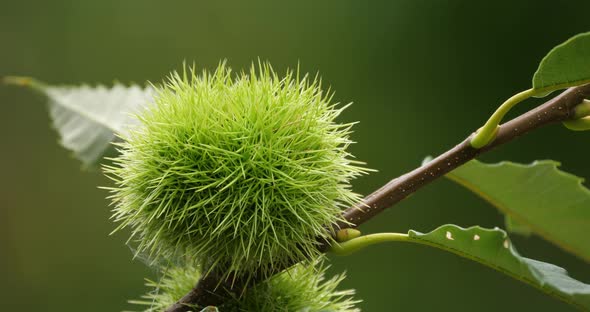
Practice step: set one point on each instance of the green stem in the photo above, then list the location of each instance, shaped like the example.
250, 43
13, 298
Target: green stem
356, 244
486, 134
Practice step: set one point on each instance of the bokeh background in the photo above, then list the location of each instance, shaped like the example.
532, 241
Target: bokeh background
422, 75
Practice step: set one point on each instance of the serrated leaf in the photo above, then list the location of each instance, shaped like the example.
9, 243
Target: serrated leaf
566, 65
552, 203
88, 118
494, 249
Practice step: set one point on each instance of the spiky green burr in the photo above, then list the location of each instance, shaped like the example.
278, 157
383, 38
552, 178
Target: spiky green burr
301, 288
239, 172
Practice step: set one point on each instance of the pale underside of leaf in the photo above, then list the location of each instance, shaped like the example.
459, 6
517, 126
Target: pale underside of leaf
493, 248
551, 203
89, 119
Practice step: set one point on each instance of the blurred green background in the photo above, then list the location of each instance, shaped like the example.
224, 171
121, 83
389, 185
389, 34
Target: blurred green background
422, 75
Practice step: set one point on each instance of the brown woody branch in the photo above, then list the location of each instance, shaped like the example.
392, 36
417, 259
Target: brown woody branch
558, 109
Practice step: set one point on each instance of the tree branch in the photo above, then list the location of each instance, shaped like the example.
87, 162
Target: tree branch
558, 109
207, 292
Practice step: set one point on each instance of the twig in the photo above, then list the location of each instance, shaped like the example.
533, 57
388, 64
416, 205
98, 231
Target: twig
558, 109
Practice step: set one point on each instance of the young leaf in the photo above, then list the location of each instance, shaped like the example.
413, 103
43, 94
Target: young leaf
494, 249
88, 118
552, 203
566, 65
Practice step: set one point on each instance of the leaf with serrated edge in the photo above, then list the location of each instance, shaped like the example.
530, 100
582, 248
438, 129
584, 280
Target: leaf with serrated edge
566, 65
494, 249
552, 203
89, 118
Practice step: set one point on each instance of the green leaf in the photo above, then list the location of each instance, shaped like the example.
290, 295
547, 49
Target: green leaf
89, 118
494, 249
566, 65
552, 203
